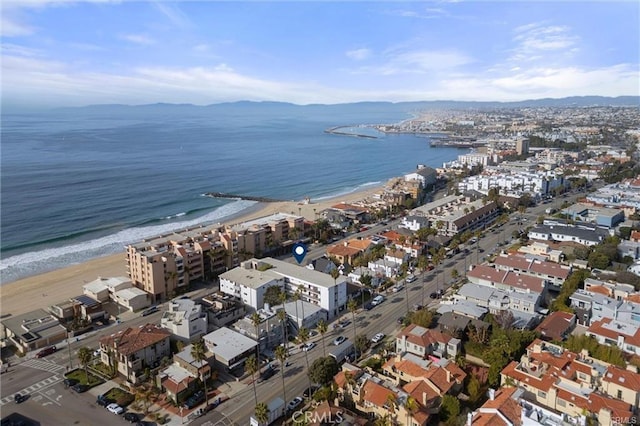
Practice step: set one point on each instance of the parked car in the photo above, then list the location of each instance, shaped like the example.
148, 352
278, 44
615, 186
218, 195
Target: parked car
46, 351
80, 388
132, 417
266, 374
309, 346
115, 408
338, 340
378, 337
417, 307
103, 401
411, 278
70, 382
400, 320
19, 398
368, 306
294, 403
433, 295
194, 400
149, 311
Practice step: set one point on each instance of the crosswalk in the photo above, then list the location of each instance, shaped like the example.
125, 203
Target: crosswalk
43, 365
33, 388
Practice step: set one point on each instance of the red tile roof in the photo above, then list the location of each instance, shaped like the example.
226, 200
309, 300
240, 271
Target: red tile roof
598, 327
556, 325
623, 378
131, 340
503, 403
512, 279
423, 336
376, 394
532, 265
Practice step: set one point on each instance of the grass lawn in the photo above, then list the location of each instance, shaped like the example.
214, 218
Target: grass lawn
121, 397
81, 377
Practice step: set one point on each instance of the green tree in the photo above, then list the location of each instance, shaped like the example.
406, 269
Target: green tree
256, 320
362, 343
450, 409
322, 329
282, 317
251, 366
323, 370
272, 295
84, 356
303, 337
262, 413
281, 355
410, 406
198, 353
474, 389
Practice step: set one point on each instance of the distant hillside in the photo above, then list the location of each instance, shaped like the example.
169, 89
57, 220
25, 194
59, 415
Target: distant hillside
240, 106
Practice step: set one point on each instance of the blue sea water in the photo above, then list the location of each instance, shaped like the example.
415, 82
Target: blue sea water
82, 183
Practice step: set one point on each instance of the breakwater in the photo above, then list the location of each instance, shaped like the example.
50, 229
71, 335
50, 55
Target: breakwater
340, 131
241, 197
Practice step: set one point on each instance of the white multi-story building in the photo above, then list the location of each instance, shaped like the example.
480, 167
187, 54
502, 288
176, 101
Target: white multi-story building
253, 277
514, 184
185, 320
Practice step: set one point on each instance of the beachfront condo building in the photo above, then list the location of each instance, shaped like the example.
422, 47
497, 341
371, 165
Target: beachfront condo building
164, 265
253, 277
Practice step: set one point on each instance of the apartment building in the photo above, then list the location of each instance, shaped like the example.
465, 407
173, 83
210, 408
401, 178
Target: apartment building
509, 281
557, 231
551, 272
132, 350
467, 217
165, 264
185, 320
612, 332
514, 184
253, 277
567, 383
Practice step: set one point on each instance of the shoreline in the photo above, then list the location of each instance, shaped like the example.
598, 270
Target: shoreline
41, 290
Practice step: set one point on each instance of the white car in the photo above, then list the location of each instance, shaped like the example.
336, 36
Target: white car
377, 300
115, 408
339, 340
309, 346
294, 403
411, 278
378, 337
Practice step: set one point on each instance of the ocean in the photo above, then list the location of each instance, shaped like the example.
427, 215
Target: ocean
80, 183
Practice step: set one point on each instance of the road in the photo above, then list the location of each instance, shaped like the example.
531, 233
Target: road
42, 378
382, 318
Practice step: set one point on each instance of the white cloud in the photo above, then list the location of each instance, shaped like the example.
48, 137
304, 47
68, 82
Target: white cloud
359, 54
12, 28
540, 41
141, 39
396, 62
173, 13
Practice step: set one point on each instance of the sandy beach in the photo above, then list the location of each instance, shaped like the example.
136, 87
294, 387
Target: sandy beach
46, 289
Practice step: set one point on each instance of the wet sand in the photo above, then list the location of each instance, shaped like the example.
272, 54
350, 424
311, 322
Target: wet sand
40, 291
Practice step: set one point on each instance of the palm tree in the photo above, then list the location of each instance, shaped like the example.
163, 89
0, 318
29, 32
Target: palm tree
303, 336
262, 413
84, 356
352, 305
198, 353
251, 365
335, 274
410, 406
281, 355
392, 404
383, 421
282, 316
322, 329
256, 320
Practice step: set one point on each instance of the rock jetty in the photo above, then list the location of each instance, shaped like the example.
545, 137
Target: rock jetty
242, 197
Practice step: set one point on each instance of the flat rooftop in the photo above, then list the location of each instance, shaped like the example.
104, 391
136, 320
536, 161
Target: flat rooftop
228, 344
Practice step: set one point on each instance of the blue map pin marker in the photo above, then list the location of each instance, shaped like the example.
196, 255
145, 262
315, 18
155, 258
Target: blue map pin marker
299, 252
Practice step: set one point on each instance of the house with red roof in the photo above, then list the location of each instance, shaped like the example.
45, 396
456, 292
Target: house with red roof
552, 272
612, 332
506, 280
427, 343
134, 349
566, 382
557, 326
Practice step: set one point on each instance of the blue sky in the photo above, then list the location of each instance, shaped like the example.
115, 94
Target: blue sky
63, 53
